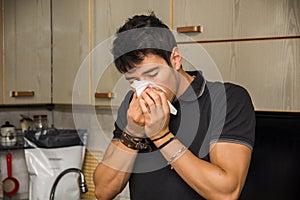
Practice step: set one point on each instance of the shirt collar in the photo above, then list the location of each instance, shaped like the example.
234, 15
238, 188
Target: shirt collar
196, 88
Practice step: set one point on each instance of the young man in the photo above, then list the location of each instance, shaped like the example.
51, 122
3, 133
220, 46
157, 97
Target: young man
201, 152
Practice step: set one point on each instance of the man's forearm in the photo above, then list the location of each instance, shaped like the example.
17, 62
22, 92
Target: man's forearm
112, 174
109, 182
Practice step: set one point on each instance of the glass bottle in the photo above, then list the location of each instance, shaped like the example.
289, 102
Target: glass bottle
41, 122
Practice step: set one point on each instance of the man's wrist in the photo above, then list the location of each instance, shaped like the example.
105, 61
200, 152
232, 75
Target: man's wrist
163, 140
159, 136
135, 143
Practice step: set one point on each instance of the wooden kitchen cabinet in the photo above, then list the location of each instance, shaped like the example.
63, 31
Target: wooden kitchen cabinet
267, 66
269, 70
107, 17
229, 19
1, 78
70, 21
81, 30
27, 53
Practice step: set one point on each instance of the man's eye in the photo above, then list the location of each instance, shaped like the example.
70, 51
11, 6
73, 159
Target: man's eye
153, 75
130, 80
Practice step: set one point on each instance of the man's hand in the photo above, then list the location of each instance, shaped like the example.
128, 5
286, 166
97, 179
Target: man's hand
135, 118
156, 112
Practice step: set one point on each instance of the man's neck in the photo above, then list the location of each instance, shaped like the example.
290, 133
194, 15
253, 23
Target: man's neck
184, 82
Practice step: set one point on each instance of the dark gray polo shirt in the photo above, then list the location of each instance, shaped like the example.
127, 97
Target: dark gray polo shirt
207, 112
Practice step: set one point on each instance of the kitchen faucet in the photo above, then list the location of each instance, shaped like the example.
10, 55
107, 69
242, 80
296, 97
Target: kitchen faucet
82, 183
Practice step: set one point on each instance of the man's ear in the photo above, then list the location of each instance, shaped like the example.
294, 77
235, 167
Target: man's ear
176, 59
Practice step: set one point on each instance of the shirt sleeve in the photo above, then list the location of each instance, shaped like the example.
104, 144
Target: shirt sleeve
238, 123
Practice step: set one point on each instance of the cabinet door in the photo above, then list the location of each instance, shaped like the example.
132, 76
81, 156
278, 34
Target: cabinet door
269, 70
27, 51
107, 17
227, 19
1, 59
70, 48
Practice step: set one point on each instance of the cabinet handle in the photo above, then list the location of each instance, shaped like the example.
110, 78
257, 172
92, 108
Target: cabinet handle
190, 29
108, 95
22, 93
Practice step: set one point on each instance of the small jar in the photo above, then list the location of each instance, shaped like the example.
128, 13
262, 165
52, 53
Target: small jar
40, 121
8, 135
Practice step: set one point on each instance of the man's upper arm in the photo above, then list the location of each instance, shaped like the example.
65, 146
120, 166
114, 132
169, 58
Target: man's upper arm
233, 158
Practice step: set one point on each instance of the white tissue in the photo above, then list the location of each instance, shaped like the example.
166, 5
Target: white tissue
140, 86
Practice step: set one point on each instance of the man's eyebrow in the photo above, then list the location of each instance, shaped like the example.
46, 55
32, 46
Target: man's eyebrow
129, 78
150, 70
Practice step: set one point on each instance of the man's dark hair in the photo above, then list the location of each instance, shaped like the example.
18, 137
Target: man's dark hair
139, 36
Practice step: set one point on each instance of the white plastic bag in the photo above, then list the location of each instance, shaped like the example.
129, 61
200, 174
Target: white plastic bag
45, 164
